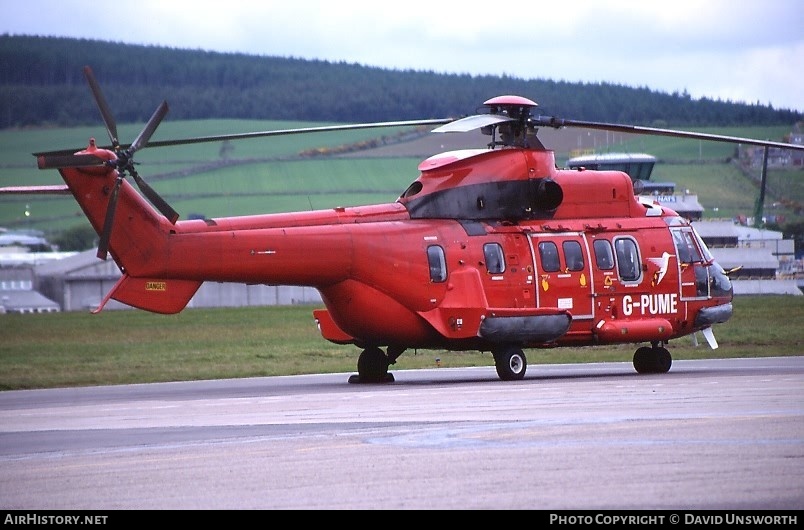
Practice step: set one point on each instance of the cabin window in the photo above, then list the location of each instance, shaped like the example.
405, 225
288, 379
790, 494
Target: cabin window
495, 261
548, 252
604, 257
573, 256
438, 264
628, 264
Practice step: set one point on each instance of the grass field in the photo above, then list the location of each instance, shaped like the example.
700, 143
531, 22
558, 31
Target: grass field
132, 346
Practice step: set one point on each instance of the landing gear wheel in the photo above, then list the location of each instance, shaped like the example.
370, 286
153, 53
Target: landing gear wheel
372, 367
511, 363
663, 361
655, 360
643, 360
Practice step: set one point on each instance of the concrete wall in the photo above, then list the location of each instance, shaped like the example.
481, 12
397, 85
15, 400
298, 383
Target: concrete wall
87, 295
743, 287
212, 294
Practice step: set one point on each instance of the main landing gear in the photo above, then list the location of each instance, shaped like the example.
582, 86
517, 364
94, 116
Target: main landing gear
373, 363
652, 360
510, 362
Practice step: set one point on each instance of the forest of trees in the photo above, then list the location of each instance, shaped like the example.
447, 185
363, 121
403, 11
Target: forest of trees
42, 83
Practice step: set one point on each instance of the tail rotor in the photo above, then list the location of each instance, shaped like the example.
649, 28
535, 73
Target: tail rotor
123, 162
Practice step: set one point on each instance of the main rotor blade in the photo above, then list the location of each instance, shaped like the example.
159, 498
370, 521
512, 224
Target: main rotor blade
280, 132
558, 123
55, 189
103, 244
108, 119
59, 161
262, 134
160, 203
150, 127
471, 123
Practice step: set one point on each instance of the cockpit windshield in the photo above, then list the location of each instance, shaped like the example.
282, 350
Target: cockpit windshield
707, 255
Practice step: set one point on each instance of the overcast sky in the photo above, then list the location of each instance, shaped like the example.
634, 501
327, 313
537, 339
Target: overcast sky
735, 50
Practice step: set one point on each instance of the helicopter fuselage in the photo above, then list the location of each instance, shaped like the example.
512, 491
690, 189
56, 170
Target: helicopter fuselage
486, 249
492, 249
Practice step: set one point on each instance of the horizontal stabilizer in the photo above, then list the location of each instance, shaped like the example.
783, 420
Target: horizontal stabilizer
152, 294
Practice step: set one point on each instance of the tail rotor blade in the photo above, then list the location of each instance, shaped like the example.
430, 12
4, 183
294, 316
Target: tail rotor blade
108, 119
103, 244
160, 203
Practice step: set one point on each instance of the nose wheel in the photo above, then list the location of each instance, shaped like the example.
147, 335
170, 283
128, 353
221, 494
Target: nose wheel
652, 360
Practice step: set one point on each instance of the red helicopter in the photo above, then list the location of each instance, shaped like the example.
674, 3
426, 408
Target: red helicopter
493, 249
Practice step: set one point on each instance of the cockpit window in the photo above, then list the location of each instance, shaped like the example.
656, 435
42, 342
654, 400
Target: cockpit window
685, 246
707, 255
495, 261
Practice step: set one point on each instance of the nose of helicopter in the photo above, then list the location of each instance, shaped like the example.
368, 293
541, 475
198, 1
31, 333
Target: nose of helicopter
721, 294
720, 285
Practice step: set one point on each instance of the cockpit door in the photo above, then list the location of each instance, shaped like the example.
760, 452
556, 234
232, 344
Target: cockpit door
693, 274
